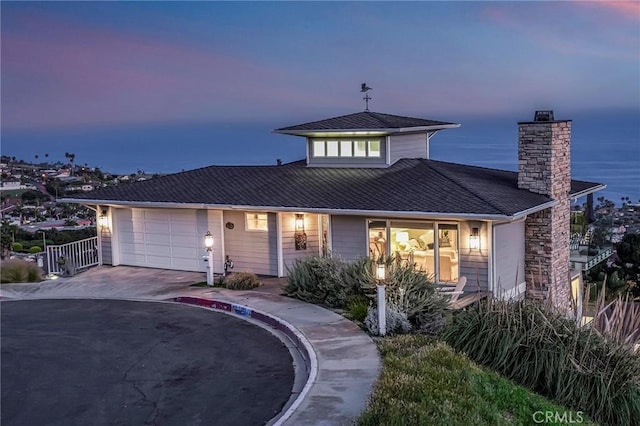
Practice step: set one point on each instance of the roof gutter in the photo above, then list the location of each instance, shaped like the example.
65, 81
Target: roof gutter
347, 212
390, 130
525, 213
587, 191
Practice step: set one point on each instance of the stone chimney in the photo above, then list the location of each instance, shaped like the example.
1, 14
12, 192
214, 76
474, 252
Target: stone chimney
544, 167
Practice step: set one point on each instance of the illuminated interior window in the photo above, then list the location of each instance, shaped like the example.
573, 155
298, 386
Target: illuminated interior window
257, 221
346, 149
332, 148
360, 149
318, 149
374, 148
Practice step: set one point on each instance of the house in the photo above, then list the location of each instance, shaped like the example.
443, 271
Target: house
367, 187
12, 186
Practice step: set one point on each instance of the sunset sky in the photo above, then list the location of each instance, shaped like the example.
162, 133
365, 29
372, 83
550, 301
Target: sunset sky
67, 64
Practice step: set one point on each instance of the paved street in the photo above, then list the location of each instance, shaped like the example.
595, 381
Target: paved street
94, 362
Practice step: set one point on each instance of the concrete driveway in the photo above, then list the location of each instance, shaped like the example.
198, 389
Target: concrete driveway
100, 361
342, 363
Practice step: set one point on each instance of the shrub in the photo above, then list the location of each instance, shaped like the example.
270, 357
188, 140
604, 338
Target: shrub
548, 353
357, 277
329, 281
16, 247
241, 281
317, 280
19, 271
397, 321
357, 308
413, 292
35, 249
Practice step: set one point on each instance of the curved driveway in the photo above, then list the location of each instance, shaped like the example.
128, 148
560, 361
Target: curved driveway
134, 363
348, 362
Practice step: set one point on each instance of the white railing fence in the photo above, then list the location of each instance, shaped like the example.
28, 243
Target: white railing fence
67, 259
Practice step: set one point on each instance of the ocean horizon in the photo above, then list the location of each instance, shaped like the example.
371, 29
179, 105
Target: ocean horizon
605, 148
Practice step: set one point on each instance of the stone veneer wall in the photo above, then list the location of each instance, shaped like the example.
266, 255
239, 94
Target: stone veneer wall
544, 167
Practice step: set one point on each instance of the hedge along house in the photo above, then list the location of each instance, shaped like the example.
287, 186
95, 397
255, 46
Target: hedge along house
366, 188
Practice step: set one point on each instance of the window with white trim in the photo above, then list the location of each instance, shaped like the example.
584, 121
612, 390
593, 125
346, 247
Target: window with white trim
256, 221
361, 148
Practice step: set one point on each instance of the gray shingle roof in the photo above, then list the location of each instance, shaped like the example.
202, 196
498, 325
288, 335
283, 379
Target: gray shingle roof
410, 185
365, 120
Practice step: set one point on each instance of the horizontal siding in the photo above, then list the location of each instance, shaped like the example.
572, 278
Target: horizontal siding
105, 247
349, 236
289, 252
476, 268
250, 251
407, 146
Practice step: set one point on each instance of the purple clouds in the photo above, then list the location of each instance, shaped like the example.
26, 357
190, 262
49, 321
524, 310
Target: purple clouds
222, 62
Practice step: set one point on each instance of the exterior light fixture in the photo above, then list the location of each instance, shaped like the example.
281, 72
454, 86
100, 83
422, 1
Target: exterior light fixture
474, 239
300, 236
381, 271
103, 220
208, 243
299, 223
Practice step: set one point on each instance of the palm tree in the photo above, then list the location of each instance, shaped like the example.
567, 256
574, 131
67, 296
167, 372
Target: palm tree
71, 156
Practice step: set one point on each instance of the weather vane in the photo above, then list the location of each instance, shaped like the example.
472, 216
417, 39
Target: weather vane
364, 89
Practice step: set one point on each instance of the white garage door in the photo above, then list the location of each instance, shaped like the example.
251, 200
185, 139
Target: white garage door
161, 238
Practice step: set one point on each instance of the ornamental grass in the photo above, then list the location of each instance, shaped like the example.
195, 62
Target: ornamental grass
545, 351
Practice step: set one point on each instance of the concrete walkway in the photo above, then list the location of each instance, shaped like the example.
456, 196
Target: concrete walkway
347, 359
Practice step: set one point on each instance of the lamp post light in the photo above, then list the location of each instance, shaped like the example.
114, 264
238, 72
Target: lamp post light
381, 275
208, 243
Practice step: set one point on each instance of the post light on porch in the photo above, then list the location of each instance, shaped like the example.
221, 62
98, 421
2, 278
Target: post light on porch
208, 243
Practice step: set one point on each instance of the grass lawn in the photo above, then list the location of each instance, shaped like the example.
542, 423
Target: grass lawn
424, 382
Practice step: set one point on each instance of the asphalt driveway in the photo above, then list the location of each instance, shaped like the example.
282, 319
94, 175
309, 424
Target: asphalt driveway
80, 362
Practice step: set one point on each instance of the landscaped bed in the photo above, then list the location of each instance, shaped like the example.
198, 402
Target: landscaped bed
592, 370
425, 382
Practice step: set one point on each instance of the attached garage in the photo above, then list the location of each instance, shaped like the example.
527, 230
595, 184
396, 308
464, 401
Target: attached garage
166, 238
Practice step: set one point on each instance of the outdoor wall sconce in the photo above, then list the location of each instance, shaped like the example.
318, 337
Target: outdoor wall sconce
103, 220
300, 235
474, 239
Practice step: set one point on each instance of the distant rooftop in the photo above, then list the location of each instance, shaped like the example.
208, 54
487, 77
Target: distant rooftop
367, 121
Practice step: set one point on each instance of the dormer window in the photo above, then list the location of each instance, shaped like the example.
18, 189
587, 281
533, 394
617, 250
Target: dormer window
363, 148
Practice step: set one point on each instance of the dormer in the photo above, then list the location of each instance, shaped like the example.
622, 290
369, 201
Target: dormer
366, 139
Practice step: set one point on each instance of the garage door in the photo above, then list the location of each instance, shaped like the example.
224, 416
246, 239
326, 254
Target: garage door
161, 238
